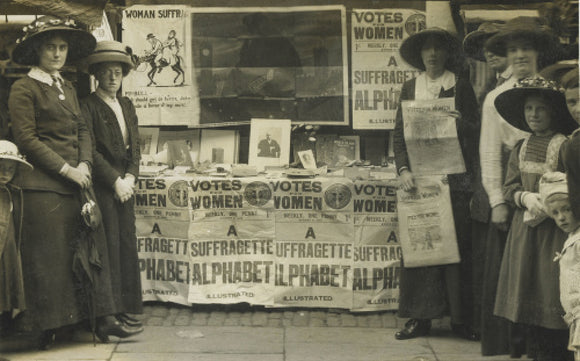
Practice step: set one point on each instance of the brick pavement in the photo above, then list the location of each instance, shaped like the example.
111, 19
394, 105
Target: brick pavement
168, 314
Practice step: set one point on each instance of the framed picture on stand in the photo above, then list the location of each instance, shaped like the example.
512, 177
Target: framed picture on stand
269, 142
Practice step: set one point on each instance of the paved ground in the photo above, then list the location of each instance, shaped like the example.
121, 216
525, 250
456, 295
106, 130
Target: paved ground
241, 333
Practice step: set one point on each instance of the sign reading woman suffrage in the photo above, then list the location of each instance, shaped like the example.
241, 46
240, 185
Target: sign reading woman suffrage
163, 85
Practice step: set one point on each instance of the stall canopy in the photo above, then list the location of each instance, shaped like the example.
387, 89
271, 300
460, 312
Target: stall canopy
88, 12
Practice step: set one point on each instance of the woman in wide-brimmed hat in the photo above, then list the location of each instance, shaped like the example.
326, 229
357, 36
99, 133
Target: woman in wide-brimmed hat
113, 122
528, 291
430, 292
49, 130
523, 40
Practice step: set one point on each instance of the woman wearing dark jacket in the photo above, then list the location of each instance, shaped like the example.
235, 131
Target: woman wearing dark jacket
50, 131
113, 124
433, 292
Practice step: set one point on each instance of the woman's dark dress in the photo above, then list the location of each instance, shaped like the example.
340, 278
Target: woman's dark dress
112, 159
433, 292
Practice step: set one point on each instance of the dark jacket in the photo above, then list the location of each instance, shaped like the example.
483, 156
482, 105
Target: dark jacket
112, 159
49, 132
467, 131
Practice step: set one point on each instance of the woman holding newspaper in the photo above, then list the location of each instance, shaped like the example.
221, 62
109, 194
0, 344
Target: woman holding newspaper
435, 291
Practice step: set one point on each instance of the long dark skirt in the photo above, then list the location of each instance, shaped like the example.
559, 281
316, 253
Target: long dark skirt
437, 291
119, 222
54, 296
494, 331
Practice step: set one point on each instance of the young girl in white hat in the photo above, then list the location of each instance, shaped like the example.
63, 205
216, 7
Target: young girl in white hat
12, 298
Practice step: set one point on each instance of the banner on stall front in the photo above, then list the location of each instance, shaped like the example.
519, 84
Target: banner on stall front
426, 225
166, 269
163, 86
377, 251
232, 270
278, 242
378, 71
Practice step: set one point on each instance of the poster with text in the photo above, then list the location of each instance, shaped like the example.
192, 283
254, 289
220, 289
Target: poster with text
377, 251
231, 207
163, 86
271, 62
232, 270
378, 71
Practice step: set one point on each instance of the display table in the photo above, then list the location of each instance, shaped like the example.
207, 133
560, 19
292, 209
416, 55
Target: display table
279, 242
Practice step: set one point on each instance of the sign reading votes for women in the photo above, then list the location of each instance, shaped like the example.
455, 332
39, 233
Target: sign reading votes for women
378, 71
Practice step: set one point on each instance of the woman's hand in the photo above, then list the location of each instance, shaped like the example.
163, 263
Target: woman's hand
407, 180
533, 203
84, 169
79, 177
123, 189
455, 114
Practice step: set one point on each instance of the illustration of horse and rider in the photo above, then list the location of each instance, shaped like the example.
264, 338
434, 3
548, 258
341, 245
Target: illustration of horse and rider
161, 55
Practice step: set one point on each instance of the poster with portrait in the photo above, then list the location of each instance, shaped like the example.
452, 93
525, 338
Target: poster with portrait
269, 142
163, 86
378, 71
271, 62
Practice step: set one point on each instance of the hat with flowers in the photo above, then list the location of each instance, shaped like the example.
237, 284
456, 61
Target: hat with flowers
510, 104
80, 42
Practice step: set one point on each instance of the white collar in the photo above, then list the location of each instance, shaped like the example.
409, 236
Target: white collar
106, 97
38, 74
424, 85
506, 74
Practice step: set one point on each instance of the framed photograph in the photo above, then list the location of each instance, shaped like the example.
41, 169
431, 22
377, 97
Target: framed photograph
189, 136
269, 142
148, 138
219, 146
178, 154
271, 62
307, 159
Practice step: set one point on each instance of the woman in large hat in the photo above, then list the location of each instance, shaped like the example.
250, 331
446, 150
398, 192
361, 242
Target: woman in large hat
113, 122
50, 131
528, 291
523, 40
432, 292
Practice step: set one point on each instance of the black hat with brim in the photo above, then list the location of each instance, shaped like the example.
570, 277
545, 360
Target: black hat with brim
528, 28
411, 48
474, 43
556, 72
80, 43
510, 104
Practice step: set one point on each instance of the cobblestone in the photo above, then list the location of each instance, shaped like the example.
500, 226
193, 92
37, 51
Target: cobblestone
167, 314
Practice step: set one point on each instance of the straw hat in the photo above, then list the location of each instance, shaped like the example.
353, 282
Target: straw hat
524, 27
411, 48
510, 104
474, 42
110, 51
80, 43
9, 150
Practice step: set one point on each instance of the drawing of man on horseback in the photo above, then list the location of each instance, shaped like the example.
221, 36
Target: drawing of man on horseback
161, 55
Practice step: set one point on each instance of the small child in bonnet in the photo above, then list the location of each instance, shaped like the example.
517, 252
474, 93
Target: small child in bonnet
554, 195
11, 283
